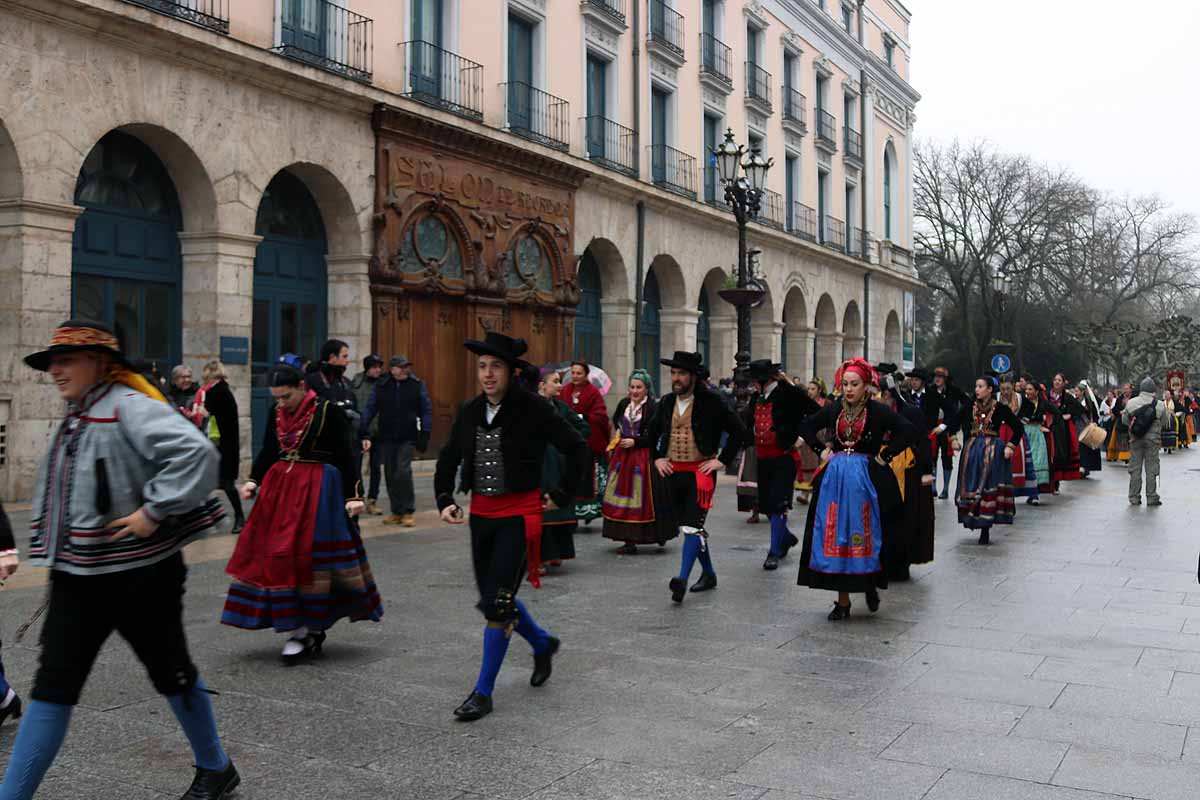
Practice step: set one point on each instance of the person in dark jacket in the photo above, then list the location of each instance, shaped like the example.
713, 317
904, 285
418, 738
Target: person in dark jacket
328, 379
405, 415
363, 384
684, 436
182, 390
215, 411
499, 439
774, 416
10, 703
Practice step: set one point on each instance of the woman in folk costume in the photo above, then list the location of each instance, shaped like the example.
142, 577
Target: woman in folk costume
810, 462
1170, 431
854, 490
1025, 482
214, 410
909, 534
585, 400
1034, 414
124, 486
747, 472
1118, 437
499, 439
1064, 457
985, 494
1189, 416
558, 524
1090, 458
636, 508
299, 565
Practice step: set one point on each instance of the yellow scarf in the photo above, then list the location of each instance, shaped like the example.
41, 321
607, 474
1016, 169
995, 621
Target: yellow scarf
127, 377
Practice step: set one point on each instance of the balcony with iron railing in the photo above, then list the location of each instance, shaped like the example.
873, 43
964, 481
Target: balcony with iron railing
536, 115
211, 14
611, 145
327, 36
614, 10
673, 170
442, 79
665, 33
857, 244
771, 210
795, 115
833, 234
803, 222
852, 142
716, 63
826, 131
758, 87
714, 190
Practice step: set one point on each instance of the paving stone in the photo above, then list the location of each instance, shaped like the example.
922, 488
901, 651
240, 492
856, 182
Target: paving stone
977, 661
608, 780
1111, 676
1098, 732
1127, 774
834, 772
1130, 704
963, 785
1006, 756
1012, 689
954, 713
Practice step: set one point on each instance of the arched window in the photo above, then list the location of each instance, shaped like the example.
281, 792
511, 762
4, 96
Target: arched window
428, 243
703, 337
530, 266
589, 329
888, 166
650, 342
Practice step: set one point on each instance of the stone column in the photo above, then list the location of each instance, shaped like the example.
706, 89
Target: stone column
828, 346
218, 300
765, 338
678, 333
35, 296
349, 302
617, 316
852, 346
799, 360
722, 344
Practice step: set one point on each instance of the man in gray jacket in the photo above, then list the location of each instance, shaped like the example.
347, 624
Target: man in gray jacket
1144, 449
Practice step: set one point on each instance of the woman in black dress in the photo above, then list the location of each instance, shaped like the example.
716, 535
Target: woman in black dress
985, 484
215, 410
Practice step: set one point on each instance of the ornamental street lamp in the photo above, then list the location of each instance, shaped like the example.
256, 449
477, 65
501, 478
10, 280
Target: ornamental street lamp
744, 196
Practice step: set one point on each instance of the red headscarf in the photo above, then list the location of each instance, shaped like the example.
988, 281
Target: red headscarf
859, 366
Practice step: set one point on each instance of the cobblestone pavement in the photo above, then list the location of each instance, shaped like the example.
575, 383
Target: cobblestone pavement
1061, 663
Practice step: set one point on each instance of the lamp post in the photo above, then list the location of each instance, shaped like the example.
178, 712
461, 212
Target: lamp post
744, 194
1001, 285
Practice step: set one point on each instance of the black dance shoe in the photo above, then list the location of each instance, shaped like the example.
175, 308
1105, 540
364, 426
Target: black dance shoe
788, 543
839, 612
476, 706
678, 589
772, 562
707, 581
13, 709
985, 536
627, 549
211, 784
873, 600
310, 648
543, 663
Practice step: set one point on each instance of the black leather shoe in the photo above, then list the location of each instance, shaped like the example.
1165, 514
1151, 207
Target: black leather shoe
476, 706
839, 612
237, 526
985, 536
312, 644
788, 543
772, 562
542, 664
707, 581
210, 784
873, 600
678, 589
13, 709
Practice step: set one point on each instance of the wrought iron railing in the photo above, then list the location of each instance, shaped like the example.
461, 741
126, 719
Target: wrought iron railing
852, 141
714, 190
327, 36
793, 106
537, 115
770, 209
803, 222
666, 26
211, 14
857, 243
673, 170
715, 58
611, 145
442, 79
826, 127
614, 8
758, 84
833, 234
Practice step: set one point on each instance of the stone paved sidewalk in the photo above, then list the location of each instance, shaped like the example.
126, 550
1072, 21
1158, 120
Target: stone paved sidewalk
1061, 663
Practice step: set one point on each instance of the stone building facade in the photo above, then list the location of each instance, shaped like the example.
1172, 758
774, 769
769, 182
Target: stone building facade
205, 174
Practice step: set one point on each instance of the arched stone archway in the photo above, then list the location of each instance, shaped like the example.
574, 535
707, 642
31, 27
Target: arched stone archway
610, 330
722, 324
852, 332
828, 340
797, 336
11, 180
893, 350
765, 331
678, 311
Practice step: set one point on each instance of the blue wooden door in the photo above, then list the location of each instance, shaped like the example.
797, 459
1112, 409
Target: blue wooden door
303, 25
702, 330
425, 67
520, 75
650, 342
589, 331
658, 135
289, 285
125, 258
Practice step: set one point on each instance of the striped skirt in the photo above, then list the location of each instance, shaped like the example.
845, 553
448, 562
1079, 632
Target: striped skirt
985, 492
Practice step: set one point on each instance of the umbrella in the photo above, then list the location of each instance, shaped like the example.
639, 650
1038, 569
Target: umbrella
599, 378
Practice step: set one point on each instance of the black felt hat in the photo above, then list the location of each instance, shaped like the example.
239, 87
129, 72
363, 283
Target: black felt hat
692, 362
922, 373
764, 369
505, 348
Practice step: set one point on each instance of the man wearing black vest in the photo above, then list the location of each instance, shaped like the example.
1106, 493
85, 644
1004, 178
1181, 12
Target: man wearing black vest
405, 417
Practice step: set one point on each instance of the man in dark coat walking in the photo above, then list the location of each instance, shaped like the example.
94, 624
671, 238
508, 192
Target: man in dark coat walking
405, 416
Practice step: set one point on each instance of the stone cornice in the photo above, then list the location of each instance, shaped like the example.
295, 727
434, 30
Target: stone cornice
38, 214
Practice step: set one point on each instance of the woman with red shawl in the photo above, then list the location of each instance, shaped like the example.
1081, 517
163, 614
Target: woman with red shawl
585, 400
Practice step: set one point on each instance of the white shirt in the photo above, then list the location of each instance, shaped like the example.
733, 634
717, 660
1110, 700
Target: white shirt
681, 405
490, 411
769, 388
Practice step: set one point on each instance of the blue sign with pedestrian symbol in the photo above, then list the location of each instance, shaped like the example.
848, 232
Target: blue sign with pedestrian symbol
1001, 364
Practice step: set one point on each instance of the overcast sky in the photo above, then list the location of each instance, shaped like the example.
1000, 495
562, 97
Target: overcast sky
1106, 88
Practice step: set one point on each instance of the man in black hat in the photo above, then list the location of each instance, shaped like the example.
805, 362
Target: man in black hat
774, 415
940, 406
499, 439
405, 417
684, 435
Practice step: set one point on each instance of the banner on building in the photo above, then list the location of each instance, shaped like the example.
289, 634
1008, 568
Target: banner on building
910, 329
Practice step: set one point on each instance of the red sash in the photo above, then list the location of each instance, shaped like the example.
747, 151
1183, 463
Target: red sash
527, 505
706, 482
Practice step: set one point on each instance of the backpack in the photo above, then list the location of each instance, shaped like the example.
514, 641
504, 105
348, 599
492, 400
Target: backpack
1143, 419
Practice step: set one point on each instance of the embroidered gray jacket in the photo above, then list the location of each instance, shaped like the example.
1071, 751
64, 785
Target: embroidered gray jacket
116, 451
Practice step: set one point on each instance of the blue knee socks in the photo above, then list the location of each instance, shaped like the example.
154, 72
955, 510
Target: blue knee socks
495, 645
41, 734
194, 711
530, 631
706, 560
778, 533
691, 550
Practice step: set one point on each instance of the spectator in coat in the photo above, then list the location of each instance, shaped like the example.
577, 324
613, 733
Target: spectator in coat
1144, 445
401, 403
183, 389
215, 411
363, 385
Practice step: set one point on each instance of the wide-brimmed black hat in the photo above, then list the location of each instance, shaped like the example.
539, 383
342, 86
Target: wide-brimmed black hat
692, 362
764, 369
886, 368
75, 335
505, 348
922, 373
